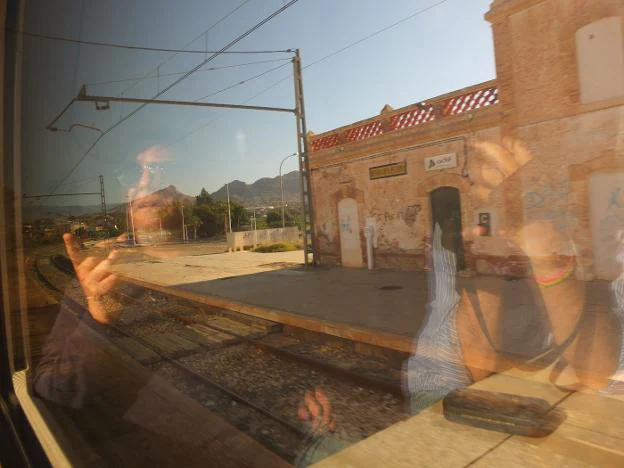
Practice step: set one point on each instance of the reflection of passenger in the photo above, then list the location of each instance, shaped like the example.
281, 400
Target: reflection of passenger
107, 397
486, 324
316, 410
79, 372
69, 372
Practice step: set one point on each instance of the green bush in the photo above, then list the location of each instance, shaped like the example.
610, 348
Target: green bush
279, 247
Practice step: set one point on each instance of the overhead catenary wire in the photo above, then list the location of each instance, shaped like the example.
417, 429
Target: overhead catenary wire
240, 83
204, 33
210, 69
315, 62
81, 181
220, 116
376, 33
143, 48
186, 75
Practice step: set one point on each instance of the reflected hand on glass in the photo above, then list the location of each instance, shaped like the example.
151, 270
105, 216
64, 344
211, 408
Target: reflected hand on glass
499, 163
316, 409
94, 276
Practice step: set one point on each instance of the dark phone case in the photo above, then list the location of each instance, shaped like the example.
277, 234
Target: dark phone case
502, 412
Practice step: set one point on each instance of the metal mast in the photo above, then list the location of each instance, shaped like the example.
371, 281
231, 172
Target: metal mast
304, 166
102, 195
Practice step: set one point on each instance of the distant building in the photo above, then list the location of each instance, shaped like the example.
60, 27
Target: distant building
559, 91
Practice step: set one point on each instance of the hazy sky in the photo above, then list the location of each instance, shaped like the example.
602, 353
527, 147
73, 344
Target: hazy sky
443, 49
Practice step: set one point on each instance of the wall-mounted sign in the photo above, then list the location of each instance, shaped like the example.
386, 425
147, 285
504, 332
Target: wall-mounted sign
388, 170
443, 161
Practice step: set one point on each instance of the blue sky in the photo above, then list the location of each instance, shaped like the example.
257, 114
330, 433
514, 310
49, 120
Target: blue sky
445, 48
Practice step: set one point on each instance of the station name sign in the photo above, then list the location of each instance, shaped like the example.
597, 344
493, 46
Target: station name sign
388, 170
443, 161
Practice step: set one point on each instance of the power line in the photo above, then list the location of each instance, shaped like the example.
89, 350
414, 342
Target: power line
163, 75
142, 48
223, 114
251, 78
205, 33
336, 52
376, 33
186, 75
81, 181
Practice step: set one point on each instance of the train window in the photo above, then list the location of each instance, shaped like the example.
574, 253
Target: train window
217, 251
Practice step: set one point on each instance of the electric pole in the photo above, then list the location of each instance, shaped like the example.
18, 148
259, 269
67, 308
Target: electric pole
183, 229
304, 166
227, 186
134, 242
102, 196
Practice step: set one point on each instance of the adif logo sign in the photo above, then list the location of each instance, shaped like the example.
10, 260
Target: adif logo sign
443, 161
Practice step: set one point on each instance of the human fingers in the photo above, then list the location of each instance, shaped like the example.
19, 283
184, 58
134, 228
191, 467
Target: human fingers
481, 192
105, 285
518, 150
487, 175
497, 156
72, 249
84, 268
322, 399
101, 270
303, 414
313, 408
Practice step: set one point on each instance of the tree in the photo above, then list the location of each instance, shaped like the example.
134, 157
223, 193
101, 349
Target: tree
274, 218
210, 220
204, 198
195, 221
210, 217
240, 216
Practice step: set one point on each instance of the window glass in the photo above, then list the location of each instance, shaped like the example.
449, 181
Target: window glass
230, 257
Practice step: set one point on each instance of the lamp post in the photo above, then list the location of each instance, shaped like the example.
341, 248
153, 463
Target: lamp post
184, 239
229, 209
282, 187
132, 222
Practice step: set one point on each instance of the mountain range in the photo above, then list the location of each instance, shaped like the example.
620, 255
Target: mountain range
263, 192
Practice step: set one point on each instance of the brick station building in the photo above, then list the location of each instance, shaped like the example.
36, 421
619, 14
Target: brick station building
559, 95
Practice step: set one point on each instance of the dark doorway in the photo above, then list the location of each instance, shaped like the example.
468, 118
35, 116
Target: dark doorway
446, 211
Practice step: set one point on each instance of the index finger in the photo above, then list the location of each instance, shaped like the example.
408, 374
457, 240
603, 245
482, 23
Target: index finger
70, 246
498, 156
325, 405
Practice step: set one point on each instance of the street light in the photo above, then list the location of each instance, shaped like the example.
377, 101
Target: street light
131, 220
282, 187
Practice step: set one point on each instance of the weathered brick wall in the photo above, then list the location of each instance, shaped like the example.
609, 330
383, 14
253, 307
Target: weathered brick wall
400, 205
535, 51
570, 143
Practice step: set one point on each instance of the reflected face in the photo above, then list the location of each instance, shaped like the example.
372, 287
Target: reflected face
148, 207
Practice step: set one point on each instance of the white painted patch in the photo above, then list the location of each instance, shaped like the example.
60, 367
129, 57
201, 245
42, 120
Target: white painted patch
350, 245
607, 223
600, 57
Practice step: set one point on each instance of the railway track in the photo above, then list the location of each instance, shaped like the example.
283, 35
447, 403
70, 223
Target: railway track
199, 351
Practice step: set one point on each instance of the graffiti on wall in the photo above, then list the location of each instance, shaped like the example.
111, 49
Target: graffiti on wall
548, 200
345, 225
411, 214
399, 228
607, 220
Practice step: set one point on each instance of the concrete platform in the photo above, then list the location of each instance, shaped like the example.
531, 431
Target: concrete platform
380, 307
383, 308
590, 436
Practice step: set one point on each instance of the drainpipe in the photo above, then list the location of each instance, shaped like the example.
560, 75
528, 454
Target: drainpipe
371, 240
